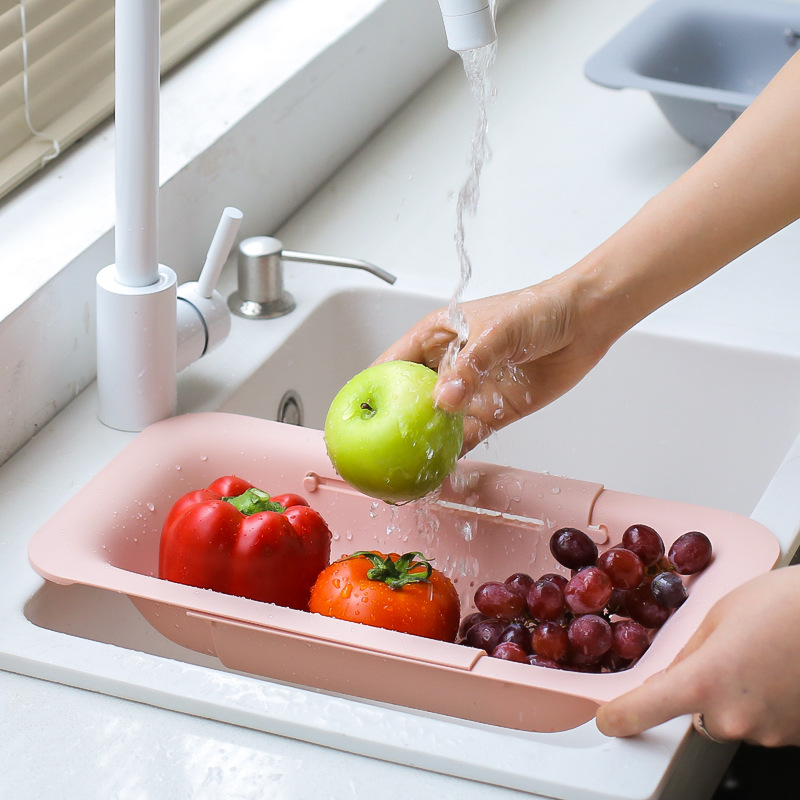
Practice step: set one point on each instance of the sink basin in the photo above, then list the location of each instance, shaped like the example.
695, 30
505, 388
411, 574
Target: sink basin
703, 61
661, 417
343, 336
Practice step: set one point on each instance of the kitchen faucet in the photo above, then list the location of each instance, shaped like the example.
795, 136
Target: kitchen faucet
148, 328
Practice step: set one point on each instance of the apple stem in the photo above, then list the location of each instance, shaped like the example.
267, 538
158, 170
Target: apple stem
368, 408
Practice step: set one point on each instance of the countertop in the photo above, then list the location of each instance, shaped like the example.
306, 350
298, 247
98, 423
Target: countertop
571, 163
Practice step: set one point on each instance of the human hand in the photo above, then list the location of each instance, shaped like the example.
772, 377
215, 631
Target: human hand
524, 349
740, 670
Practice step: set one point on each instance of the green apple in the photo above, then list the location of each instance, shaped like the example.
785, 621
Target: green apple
386, 437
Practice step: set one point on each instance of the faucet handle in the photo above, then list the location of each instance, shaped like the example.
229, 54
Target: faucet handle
218, 252
260, 271
203, 318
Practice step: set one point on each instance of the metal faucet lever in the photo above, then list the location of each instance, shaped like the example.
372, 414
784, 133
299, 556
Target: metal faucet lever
260, 273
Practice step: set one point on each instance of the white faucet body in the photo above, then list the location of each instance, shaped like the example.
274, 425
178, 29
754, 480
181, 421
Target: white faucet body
145, 334
136, 350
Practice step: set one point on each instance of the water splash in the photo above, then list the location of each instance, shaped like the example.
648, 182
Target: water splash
477, 64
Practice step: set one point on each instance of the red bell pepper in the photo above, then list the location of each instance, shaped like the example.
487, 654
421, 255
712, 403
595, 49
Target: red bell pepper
236, 539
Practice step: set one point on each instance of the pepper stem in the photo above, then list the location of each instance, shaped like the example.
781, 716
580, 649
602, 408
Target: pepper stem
253, 501
396, 574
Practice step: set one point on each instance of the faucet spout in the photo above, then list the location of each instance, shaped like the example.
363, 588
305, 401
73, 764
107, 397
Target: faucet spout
469, 24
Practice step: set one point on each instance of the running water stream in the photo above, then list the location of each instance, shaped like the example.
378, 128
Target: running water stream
477, 64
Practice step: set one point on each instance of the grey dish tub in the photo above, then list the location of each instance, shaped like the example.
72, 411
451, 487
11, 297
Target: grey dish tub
703, 61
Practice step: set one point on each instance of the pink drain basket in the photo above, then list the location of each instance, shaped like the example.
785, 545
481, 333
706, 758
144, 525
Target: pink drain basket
498, 522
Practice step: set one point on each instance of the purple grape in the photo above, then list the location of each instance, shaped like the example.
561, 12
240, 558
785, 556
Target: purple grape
517, 633
645, 542
611, 662
550, 641
508, 651
616, 603
495, 599
668, 590
485, 634
573, 548
690, 553
629, 639
589, 636
624, 567
557, 578
545, 600
519, 582
644, 608
578, 662
588, 591
542, 661
468, 622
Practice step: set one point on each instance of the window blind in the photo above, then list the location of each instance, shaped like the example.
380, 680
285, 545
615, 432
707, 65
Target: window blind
57, 70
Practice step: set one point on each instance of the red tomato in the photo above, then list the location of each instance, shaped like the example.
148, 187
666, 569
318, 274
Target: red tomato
359, 588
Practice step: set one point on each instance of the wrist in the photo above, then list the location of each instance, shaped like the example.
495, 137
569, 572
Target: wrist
655, 257
606, 299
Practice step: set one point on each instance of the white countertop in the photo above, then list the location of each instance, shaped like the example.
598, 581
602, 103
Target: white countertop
571, 163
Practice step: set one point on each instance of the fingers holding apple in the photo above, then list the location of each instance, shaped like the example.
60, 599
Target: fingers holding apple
385, 435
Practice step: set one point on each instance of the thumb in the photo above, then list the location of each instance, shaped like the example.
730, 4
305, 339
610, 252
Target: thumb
461, 380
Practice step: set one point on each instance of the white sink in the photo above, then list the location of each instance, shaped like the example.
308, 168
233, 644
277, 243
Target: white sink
666, 417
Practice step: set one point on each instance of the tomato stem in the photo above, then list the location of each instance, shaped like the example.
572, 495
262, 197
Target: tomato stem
396, 574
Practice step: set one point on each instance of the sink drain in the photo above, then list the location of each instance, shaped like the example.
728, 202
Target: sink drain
290, 409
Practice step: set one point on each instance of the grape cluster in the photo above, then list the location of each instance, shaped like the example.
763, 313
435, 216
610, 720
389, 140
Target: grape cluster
603, 617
